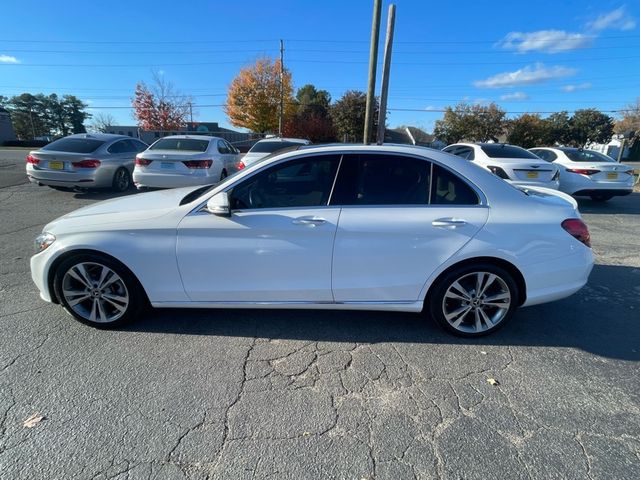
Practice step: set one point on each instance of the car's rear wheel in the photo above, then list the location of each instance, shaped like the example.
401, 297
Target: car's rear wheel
474, 300
601, 198
98, 291
223, 175
122, 180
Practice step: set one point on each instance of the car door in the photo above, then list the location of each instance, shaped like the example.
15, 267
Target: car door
402, 217
275, 247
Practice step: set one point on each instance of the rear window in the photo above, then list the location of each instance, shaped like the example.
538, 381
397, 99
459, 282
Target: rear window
270, 147
186, 144
74, 145
500, 150
587, 156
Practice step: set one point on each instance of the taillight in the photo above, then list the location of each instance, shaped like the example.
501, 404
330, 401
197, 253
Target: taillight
241, 165
198, 163
87, 163
32, 160
577, 229
498, 171
583, 171
143, 162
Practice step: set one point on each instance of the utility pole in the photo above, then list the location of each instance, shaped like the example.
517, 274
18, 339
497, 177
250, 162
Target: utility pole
191, 113
281, 88
373, 60
388, 44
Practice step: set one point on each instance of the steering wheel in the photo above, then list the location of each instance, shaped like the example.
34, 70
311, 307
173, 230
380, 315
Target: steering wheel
256, 198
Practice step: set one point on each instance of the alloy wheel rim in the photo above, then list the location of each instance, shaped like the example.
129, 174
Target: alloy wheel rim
122, 180
476, 302
95, 292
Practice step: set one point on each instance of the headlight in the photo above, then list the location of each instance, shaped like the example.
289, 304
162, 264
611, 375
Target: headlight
43, 241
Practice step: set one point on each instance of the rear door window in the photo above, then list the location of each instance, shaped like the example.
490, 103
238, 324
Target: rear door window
383, 179
449, 189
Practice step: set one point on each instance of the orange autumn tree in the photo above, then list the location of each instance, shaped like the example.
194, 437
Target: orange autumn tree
253, 99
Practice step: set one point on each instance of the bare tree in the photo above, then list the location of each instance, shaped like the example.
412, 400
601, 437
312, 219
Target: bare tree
101, 121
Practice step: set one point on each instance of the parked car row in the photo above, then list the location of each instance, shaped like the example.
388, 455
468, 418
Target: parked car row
574, 171
118, 161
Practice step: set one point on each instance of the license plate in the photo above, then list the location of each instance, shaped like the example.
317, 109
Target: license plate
612, 176
56, 165
532, 174
167, 165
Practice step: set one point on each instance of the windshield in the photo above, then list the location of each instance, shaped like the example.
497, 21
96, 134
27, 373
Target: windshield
185, 144
274, 146
74, 145
500, 150
587, 156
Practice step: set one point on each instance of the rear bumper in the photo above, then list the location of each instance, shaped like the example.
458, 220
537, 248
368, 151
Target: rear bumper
613, 192
553, 184
557, 279
159, 180
92, 178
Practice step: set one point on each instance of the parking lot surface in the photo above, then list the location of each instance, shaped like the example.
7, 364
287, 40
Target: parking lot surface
299, 394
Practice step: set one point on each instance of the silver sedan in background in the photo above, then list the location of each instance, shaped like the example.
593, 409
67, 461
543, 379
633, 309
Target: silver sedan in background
95, 160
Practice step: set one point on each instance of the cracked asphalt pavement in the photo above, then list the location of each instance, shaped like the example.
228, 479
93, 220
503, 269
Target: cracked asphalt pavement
226, 394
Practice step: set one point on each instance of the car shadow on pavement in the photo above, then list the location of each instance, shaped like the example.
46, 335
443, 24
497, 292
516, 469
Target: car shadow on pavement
628, 204
602, 319
102, 194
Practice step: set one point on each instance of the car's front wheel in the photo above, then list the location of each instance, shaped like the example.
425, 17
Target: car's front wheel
474, 300
98, 291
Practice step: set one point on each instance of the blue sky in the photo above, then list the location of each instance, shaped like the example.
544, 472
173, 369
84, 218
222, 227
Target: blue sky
540, 56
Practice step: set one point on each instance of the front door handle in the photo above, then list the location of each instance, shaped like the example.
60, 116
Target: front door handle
449, 222
313, 221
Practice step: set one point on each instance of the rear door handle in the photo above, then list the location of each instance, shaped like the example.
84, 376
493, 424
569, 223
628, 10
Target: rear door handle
313, 221
449, 222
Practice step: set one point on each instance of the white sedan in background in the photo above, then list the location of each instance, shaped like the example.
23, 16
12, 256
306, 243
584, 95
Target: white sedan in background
589, 173
186, 160
509, 162
394, 228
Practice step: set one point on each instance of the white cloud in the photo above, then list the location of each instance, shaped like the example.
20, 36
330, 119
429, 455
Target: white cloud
573, 88
548, 41
8, 59
618, 19
514, 96
525, 76
432, 108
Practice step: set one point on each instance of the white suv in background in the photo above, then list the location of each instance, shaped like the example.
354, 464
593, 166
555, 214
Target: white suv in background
589, 173
267, 146
513, 164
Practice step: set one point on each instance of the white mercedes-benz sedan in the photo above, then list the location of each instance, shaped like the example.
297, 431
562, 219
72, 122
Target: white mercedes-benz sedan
395, 228
588, 173
509, 162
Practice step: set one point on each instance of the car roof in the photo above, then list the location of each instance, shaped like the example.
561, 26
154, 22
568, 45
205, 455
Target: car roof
284, 139
105, 137
194, 137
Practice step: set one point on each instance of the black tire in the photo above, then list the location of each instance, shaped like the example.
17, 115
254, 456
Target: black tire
601, 198
121, 180
96, 309
441, 301
223, 175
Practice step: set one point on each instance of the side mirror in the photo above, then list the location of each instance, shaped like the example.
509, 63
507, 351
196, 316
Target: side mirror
219, 205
